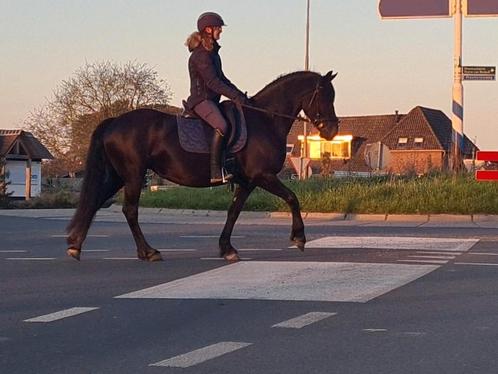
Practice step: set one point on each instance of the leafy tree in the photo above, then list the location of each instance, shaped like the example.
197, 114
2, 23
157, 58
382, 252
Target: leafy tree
95, 92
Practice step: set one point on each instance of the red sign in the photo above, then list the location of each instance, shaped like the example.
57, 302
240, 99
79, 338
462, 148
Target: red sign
415, 8
487, 156
487, 175
483, 8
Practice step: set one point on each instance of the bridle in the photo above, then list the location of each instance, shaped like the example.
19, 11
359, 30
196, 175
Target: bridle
318, 122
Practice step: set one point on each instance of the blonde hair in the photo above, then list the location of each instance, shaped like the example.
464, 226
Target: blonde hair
196, 38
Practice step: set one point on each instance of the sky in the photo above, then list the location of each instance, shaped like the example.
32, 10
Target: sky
383, 65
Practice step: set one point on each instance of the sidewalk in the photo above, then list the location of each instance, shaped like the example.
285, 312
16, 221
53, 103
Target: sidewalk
480, 220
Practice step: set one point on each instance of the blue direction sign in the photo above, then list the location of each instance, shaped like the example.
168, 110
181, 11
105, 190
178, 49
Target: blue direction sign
415, 8
481, 8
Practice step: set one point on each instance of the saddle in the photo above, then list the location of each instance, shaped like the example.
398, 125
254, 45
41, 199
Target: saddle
195, 135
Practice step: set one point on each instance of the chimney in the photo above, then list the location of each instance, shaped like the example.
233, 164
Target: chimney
396, 118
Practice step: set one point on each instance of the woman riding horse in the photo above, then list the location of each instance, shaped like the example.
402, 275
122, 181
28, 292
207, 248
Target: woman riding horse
208, 83
122, 149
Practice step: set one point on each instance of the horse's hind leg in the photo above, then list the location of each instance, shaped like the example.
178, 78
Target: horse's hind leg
130, 210
272, 184
86, 211
227, 251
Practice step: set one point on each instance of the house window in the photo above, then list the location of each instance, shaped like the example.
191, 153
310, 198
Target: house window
338, 148
418, 140
402, 141
289, 148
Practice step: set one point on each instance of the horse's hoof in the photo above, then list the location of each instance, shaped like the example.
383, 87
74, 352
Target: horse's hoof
153, 257
300, 245
74, 253
232, 257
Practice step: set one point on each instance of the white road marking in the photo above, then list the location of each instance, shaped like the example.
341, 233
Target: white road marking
30, 258
13, 251
96, 250
394, 242
259, 249
304, 320
374, 330
435, 262
88, 236
290, 280
434, 257
176, 249
201, 355
439, 252
475, 263
60, 315
221, 258
483, 253
120, 258
207, 236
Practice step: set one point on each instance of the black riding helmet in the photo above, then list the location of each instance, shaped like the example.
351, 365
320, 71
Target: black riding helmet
209, 19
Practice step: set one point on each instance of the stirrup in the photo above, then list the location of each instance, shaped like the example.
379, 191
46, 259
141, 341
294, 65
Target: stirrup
225, 177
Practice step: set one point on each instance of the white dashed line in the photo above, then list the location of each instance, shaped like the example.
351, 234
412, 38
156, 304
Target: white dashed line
96, 250
433, 262
426, 257
176, 249
201, 355
30, 258
221, 258
374, 330
88, 236
304, 320
120, 258
259, 250
475, 263
60, 315
483, 254
207, 236
13, 251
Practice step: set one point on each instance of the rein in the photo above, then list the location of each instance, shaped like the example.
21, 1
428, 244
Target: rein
317, 122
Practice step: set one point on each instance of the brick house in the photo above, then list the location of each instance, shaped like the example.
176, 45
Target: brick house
416, 142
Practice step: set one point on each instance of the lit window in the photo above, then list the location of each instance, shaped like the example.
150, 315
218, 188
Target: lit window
338, 148
402, 140
419, 140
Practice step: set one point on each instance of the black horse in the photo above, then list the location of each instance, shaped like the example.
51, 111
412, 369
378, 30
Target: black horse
123, 148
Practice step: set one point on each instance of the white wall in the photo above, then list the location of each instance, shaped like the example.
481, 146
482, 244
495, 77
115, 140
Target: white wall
16, 175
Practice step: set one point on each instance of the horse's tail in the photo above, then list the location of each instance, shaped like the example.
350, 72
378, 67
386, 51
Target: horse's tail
92, 191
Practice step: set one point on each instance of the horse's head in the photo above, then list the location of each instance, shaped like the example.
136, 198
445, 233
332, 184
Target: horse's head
319, 107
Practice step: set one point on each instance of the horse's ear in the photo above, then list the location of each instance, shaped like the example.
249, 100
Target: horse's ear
329, 76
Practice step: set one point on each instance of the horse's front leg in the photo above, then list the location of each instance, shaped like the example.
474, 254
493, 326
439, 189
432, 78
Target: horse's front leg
272, 184
227, 251
130, 210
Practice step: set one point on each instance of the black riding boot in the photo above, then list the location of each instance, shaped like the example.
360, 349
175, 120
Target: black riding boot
215, 162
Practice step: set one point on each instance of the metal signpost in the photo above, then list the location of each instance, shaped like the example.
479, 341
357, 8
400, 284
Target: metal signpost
393, 9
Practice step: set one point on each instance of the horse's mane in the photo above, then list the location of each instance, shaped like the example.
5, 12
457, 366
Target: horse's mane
281, 79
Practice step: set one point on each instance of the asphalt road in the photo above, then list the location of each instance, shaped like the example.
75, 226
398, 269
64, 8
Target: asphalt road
365, 297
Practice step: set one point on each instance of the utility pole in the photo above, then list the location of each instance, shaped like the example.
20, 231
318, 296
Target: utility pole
457, 94
304, 168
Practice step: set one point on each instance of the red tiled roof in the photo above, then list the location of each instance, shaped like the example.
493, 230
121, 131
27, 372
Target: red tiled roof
34, 149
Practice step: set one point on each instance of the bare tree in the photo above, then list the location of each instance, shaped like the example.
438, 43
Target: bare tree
95, 92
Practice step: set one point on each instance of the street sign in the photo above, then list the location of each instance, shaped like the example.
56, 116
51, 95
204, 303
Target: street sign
487, 175
480, 8
296, 162
415, 8
479, 73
